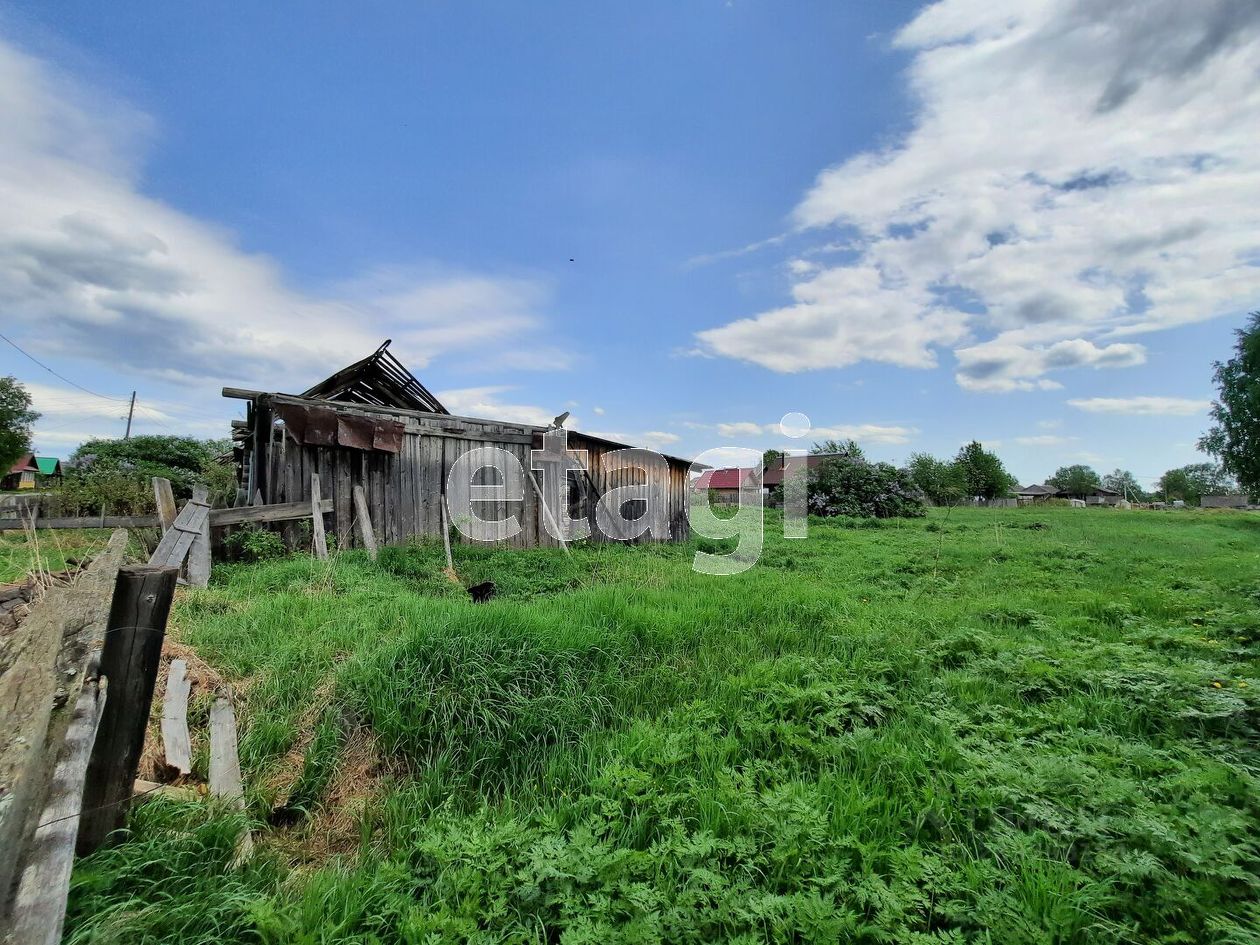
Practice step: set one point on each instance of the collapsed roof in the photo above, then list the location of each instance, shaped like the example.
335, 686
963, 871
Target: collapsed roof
379, 379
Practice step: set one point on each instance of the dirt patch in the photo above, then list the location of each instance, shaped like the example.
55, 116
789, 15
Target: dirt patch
334, 828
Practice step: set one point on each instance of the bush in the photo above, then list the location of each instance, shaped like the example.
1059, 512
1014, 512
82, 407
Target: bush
251, 543
857, 488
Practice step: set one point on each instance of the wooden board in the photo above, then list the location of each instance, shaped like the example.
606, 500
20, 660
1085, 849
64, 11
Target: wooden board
39, 912
175, 740
199, 553
317, 520
365, 521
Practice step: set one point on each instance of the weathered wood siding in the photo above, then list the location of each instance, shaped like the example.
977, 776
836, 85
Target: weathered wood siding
403, 490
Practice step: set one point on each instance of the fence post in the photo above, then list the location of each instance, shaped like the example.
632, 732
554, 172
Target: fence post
129, 661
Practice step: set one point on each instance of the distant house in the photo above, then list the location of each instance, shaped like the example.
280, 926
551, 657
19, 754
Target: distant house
724, 482
1223, 501
1102, 496
31, 470
1035, 493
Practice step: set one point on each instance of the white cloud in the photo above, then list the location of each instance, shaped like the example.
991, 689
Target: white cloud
1075, 172
1143, 406
741, 428
841, 316
598, 411
864, 433
1044, 440
998, 366
483, 402
653, 439
91, 267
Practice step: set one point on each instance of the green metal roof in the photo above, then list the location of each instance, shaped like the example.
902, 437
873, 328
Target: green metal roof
47, 465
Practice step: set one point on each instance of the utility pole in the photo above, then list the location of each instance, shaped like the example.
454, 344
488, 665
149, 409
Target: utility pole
130, 410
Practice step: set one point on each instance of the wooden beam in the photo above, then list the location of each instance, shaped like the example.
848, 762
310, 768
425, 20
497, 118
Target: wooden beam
129, 660
317, 521
39, 911
280, 512
241, 393
175, 740
365, 521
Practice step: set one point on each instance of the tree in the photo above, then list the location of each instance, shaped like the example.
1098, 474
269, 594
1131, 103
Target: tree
980, 473
16, 417
1190, 482
847, 448
1078, 480
1124, 482
1235, 436
940, 481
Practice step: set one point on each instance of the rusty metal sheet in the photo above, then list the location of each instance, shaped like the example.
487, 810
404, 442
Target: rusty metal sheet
387, 436
355, 432
321, 427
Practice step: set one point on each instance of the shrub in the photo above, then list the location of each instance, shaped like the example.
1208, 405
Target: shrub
251, 543
855, 487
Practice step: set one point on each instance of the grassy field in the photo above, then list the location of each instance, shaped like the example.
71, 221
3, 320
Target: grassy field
1006, 726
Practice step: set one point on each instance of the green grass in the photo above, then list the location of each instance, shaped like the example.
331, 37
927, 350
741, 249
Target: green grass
994, 726
19, 556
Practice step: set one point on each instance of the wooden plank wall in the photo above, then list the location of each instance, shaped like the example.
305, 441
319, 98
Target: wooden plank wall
401, 488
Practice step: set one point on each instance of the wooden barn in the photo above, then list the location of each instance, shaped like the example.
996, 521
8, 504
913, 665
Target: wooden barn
373, 424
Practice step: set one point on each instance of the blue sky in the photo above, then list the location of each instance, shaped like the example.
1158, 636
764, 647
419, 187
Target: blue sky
1033, 224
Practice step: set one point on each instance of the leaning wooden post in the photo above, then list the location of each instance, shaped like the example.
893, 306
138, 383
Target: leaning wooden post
317, 520
365, 521
129, 661
164, 499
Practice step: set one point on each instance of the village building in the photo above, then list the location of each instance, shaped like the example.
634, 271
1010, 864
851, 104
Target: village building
725, 483
374, 425
31, 471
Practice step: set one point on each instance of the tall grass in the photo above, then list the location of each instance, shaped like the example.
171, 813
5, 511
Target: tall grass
1001, 726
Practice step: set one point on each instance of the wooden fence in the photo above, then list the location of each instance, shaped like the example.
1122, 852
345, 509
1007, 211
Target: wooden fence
76, 679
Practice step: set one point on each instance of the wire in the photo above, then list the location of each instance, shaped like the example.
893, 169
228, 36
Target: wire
17, 347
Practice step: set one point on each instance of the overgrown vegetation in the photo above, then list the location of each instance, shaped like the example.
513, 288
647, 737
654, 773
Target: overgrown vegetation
115, 477
1014, 726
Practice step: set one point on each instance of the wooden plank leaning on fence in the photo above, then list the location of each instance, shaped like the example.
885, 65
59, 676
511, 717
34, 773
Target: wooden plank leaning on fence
28, 685
178, 540
365, 521
199, 553
317, 520
39, 911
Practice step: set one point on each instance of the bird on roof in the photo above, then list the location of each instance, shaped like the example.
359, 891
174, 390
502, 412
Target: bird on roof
559, 421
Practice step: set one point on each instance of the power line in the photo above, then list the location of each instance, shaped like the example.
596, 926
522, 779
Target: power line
17, 347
